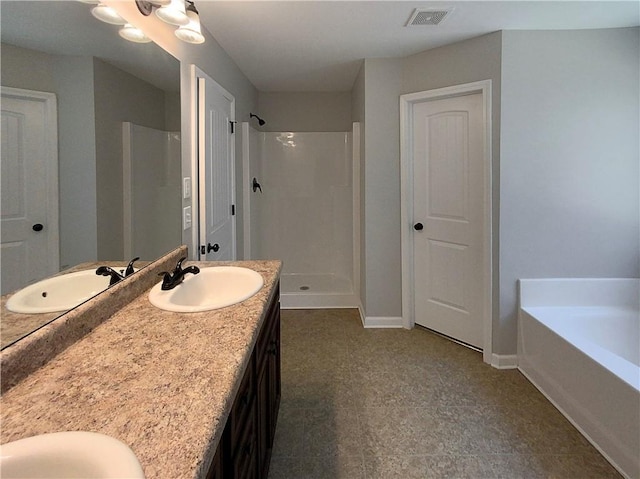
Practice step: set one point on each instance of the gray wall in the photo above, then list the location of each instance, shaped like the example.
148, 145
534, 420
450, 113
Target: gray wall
71, 79
119, 97
77, 149
28, 69
172, 111
569, 169
382, 255
304, 111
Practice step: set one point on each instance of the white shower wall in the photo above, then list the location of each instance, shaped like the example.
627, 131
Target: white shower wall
152, 191
304, 214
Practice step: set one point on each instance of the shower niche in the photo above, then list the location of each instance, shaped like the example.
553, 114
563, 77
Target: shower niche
304, 213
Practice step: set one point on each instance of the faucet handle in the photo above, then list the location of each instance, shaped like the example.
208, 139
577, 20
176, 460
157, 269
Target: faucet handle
130, 269
108, 271
179, 265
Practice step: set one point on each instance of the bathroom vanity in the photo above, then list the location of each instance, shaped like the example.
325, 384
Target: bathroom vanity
194, 395
244, 450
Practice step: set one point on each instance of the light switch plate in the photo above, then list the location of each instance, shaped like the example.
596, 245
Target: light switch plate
186, 218
186, 188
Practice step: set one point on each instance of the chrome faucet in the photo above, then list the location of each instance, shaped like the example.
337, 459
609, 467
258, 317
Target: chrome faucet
173, 279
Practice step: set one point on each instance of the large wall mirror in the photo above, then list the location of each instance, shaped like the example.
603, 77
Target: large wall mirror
117, 119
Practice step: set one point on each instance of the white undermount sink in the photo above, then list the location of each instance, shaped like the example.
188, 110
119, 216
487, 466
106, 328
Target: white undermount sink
213, 288
58, 293
70, 454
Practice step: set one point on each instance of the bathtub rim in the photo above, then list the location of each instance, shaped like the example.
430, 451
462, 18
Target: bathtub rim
622, 368
594, 415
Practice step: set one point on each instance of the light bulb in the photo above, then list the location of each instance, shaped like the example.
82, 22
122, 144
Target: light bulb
107, 14
191, 32
133, 34
173, 13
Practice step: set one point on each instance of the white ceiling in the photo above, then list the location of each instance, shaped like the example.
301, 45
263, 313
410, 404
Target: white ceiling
299, 45
318, 45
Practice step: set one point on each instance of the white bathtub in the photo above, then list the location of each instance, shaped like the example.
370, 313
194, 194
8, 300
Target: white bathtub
579, 344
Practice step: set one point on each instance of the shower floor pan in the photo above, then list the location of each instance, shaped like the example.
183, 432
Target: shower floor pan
316, 291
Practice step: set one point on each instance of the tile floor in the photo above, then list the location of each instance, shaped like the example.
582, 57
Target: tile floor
384, 404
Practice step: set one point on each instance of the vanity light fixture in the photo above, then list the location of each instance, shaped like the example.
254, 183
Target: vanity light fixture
146, 7
181, 13
107, 14
174, 13
133, 34
191, 32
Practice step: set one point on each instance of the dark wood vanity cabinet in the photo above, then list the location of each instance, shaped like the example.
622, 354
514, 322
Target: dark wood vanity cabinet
245, 449
268, 389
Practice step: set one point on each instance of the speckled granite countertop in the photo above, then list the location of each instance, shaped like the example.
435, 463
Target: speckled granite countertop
14, 326
161, 382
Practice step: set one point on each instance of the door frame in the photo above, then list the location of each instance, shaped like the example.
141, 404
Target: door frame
407, 102
50, 103
197, 181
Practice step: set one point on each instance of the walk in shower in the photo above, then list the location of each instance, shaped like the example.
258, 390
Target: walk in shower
300, 208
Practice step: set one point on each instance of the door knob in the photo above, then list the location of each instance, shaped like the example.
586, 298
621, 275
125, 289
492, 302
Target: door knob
209, 248
418, 227
37, 227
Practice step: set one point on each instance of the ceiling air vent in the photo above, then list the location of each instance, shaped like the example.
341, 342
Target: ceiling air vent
427, 17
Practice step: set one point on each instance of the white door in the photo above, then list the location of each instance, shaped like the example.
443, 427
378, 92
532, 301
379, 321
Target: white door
449, 215
29, 225
216, 171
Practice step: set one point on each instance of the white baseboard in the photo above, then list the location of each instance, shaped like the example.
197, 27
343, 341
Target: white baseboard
362, 313
504, 361
382, 322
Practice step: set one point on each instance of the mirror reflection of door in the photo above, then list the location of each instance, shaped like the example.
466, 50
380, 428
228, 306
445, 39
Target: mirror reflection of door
29, 224
216, 112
